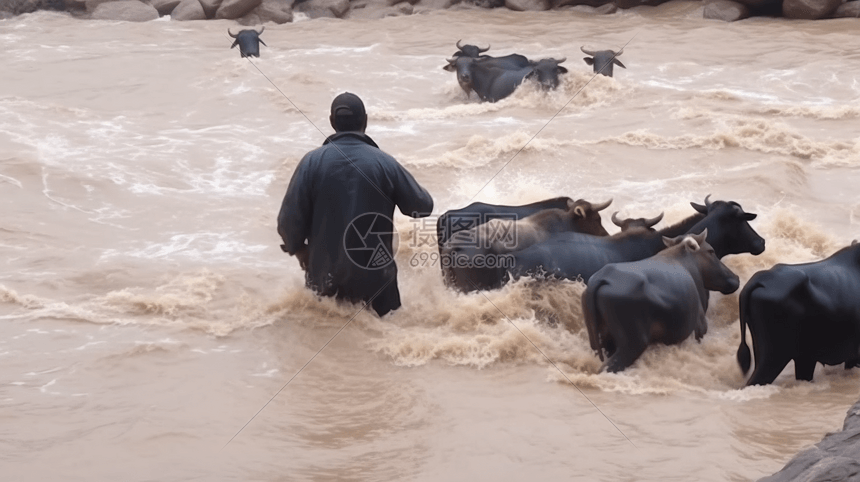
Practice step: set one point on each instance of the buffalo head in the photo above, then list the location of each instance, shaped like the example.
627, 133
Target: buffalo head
715, 275
633, 223
603, 60
586, 216
546, 72
248, 41
734, 233
462, 65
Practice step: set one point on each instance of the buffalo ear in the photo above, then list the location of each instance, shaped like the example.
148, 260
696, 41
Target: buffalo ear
853, 242
749, 216
691, 244
561, 70
261, 41
669, 242
449, 68
702, 237
618, 63
579, 212
699, 208
588, 60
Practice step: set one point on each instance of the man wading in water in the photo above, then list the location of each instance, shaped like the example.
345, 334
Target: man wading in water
341, 200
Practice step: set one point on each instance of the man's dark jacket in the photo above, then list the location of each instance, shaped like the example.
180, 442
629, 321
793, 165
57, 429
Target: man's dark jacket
339, 193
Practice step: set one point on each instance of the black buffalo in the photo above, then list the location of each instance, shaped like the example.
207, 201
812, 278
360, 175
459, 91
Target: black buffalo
661, 299
459, 234
603, 60
634, 223
494, 78
248, 41
809, 313
575, 256
472, 51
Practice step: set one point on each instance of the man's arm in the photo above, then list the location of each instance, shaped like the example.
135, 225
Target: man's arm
294, 220
412, 199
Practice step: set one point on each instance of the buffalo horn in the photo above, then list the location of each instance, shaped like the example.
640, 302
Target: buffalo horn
651, 222
615, 220
230, 33
480, 50
587, 52
601, 207
262, 27
708, 201
458, 44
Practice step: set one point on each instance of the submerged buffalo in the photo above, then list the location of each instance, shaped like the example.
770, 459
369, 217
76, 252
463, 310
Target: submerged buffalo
576, 256
470, 239
809, 313
603, 60
661, 299
634, 223
248, 41
494, 78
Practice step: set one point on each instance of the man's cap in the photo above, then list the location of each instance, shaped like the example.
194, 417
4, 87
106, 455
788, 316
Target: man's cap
349, 105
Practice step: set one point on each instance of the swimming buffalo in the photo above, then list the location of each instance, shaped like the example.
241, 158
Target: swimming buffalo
461, 237
494, 78
633, 223
575, 256
248, 41
809, 313
472, 51
603, 60
661, 299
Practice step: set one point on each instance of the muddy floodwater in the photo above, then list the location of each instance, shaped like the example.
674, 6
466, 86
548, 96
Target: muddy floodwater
147, 312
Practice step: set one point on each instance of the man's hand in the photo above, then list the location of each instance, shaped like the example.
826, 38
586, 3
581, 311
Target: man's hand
302, 255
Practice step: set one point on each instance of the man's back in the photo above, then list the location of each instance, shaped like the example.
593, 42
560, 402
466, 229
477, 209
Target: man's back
341, 199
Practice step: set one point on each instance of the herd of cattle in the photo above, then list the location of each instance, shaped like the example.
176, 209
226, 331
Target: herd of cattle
647, 286
492, 78
643, 286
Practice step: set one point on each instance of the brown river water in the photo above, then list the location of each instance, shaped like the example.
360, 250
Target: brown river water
147, 313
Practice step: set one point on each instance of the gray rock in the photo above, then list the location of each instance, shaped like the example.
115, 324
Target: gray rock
848, 10
424, 5
726, 10
755, 4
625, 4
809, 9
232, 9
210, 7
376, 11
188, 10
835, 458
323, 8
607, 9
129, 11
528, 5
276, 11
75, 4
164, 7
93, 4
